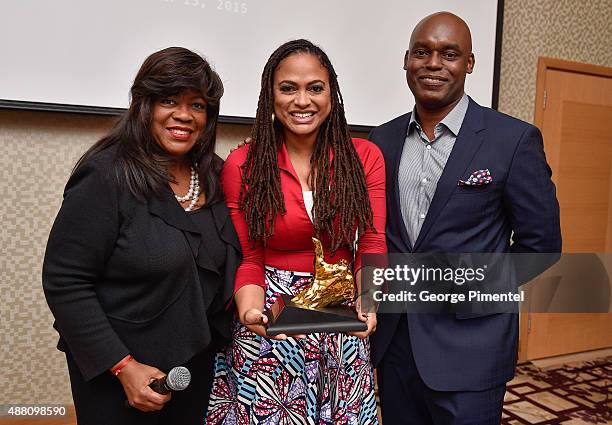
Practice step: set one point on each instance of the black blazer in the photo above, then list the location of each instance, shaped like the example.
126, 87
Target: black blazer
122, 276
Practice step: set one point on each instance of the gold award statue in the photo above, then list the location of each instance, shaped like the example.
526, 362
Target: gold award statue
332, 284
318, 308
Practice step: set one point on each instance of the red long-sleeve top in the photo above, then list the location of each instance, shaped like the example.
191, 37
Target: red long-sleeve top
291, 247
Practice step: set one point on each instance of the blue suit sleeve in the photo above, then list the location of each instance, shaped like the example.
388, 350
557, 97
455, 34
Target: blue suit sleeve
530, 198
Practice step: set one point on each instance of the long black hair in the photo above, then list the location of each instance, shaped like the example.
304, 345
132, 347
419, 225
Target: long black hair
141, 164
341, 201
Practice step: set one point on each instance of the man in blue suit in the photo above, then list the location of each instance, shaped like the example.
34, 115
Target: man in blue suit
460, 178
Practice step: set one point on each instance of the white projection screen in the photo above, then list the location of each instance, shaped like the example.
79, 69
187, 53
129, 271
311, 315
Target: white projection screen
82, 55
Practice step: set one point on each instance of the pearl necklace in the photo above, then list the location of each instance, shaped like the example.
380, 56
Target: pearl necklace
194, 189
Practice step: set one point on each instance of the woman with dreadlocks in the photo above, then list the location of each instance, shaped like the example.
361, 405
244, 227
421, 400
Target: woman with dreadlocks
301, 176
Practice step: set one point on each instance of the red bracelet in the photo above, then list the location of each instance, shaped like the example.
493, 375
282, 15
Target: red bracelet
115, 370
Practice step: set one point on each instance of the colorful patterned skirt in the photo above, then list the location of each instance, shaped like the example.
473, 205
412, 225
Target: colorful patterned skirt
323, 379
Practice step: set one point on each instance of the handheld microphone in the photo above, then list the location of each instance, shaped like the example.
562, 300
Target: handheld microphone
176, 380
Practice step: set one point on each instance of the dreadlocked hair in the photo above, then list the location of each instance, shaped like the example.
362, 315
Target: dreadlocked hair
341, 201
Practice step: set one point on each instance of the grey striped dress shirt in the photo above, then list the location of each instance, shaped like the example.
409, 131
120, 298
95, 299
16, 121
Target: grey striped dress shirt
422, 163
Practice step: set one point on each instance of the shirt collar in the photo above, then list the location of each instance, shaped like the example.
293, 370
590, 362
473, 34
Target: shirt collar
284, 162
453, 120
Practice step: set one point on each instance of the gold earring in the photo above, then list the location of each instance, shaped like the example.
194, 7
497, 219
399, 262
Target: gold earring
272, 117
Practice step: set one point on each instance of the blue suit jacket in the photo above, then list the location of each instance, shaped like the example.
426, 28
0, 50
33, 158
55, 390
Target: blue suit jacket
468, 352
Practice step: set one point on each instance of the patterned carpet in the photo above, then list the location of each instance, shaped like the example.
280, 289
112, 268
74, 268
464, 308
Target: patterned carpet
569, 394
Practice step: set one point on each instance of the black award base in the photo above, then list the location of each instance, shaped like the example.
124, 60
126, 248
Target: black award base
285, 317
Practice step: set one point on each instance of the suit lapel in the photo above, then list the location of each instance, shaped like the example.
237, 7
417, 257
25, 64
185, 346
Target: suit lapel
467, 143
395, 154
166, 208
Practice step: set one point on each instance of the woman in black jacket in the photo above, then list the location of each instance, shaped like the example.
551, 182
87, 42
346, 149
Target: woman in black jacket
141, 259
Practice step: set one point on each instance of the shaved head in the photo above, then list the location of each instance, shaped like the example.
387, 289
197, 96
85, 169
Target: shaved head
438, 58
445, 20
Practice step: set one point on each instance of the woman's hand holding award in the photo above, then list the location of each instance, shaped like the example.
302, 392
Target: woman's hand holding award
325, 306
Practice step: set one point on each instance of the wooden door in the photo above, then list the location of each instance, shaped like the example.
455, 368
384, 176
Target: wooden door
574, 112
